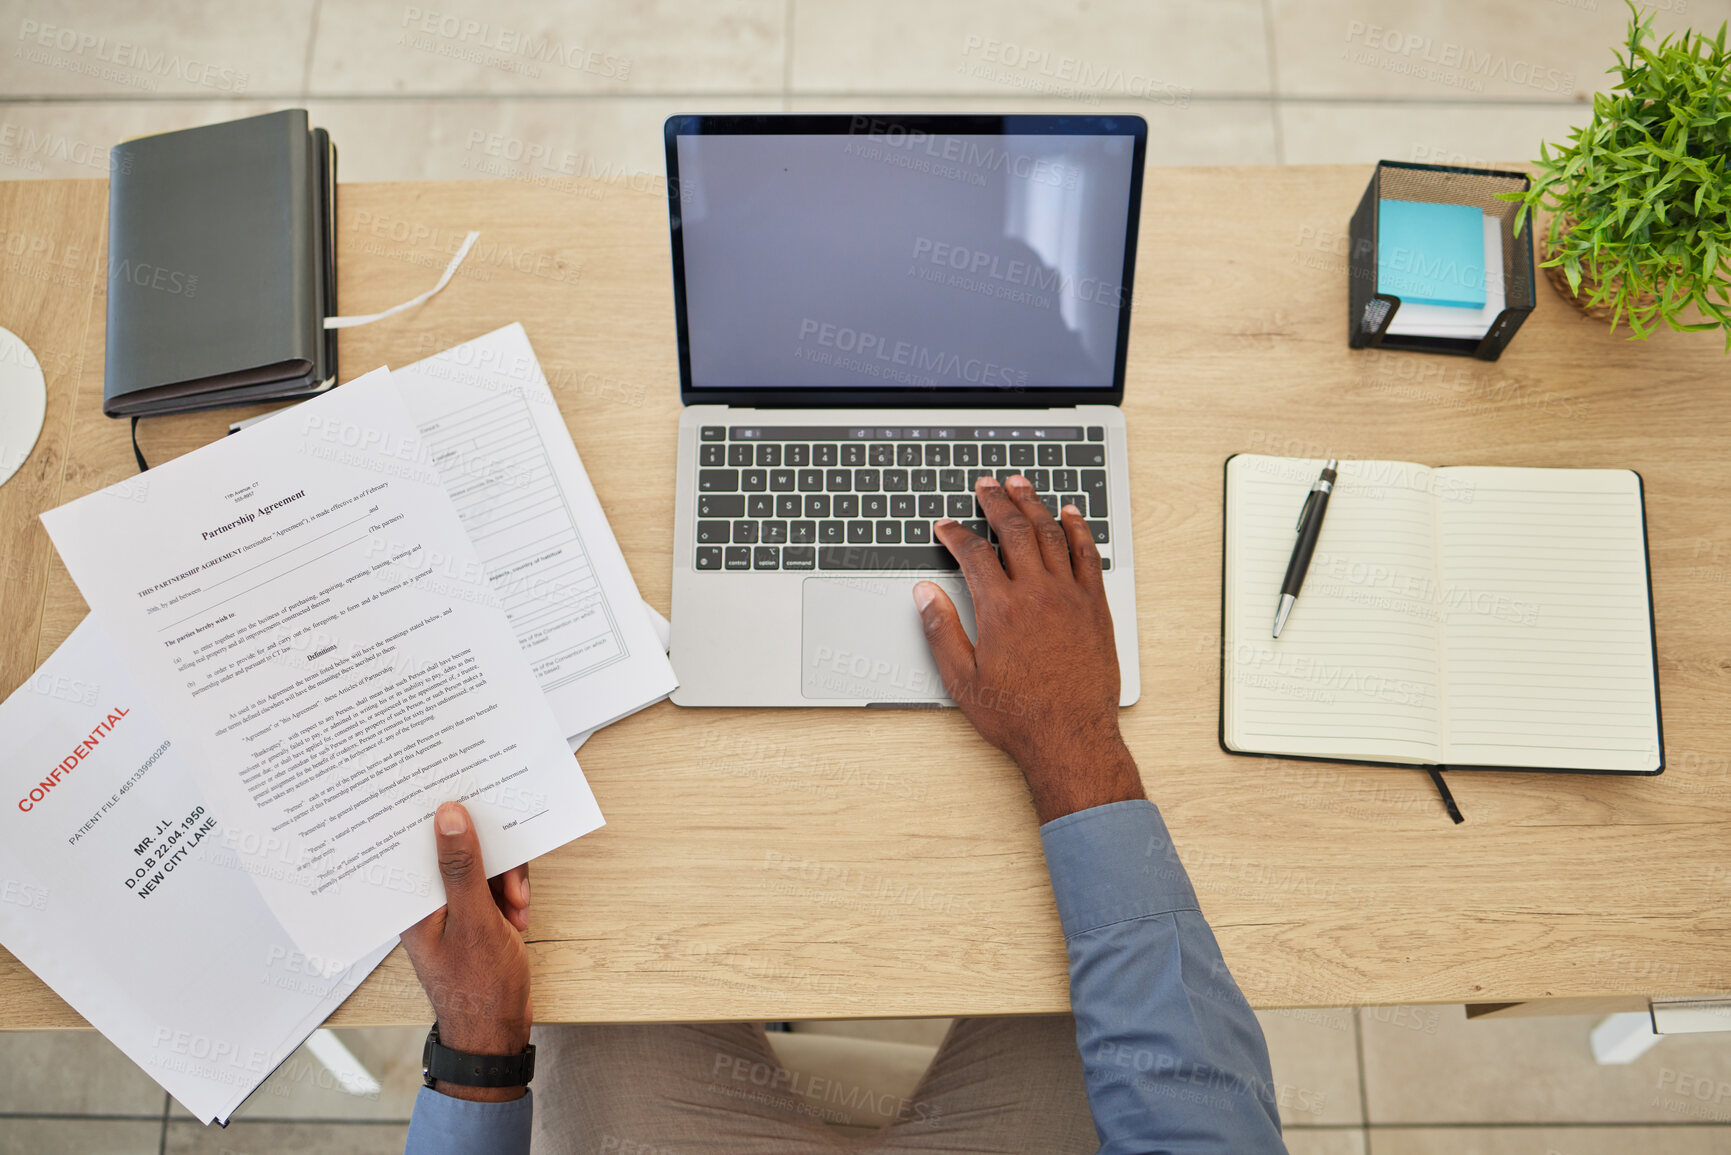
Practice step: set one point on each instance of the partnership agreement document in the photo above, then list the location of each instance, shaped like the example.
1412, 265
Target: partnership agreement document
495, 434
120, 889
304, 608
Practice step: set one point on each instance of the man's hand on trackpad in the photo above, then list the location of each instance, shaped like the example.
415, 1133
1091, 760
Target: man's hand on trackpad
1041, 684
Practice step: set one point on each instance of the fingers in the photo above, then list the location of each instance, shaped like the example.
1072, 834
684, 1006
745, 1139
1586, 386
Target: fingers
1084, 554
468, 898
1048, 534
978, 560
1015, 533
511, 895
951, 648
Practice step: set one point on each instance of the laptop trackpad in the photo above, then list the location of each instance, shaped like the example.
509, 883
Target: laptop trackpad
861, 638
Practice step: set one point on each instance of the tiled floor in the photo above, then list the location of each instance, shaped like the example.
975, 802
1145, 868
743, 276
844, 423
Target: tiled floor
408, 94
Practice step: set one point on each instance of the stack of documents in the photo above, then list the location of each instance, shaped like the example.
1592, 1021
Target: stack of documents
303, 639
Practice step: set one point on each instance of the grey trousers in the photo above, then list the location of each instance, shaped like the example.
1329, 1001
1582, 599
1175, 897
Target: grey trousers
996, 1085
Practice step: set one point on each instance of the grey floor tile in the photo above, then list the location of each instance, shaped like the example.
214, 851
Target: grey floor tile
1115, 48
924, 1032
72, 1073
304, 1088
112, 48
78, 1137
1551, 1141
1473, 135
1194, 132
533, 46
73, 139
1429, 1065
1328, 1141
1314, 1053
1462, 50
190, 1138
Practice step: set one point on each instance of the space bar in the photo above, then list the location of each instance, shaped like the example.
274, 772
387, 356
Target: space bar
894, 557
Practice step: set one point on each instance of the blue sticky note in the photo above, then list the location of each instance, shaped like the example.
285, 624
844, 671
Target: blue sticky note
1431, 254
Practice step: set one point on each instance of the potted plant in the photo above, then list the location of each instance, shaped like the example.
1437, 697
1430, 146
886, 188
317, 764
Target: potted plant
1640, 200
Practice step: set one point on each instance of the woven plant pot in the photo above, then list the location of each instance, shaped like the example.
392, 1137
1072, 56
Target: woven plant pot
1559, 279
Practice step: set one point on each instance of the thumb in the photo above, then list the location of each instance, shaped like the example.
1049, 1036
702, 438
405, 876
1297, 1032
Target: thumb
467, 895
951, 648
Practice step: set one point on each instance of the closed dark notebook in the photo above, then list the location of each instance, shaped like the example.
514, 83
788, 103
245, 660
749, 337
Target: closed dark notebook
221, 267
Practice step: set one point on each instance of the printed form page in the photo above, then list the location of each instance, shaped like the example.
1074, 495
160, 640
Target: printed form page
303, 606
1354, 673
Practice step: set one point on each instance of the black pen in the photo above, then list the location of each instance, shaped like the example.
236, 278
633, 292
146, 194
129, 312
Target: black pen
1309, 529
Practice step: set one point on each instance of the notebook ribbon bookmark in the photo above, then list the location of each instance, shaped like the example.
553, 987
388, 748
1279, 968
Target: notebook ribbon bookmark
450, 271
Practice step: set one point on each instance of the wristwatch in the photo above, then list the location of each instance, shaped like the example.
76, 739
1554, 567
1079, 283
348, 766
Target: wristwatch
441, 1063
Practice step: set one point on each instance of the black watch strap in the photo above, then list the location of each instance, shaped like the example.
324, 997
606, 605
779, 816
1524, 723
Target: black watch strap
440, 1063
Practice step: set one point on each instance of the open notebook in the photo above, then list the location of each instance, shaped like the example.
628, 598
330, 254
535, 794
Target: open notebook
1461, 617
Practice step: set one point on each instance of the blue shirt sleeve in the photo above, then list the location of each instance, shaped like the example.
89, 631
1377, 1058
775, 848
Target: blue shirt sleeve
1174, 1059
442, 1125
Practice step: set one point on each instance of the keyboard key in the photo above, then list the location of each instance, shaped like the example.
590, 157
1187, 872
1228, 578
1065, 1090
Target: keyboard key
754, 480
950, 480
859, 531
907, 455
1050, 501
1051, 454
960, 505
889, 533
739, 455
977, 527
882, 454
1098, 529
796, 456
712, 455
1040, 479
917, 532
714, 533
802, 533
966, 454
788, 505
817, 505
1084, 455
838, 480
902, 505
931, 505
937, 454
809, 480
775, 532
845, 505
745, 533
1094, 482
874, 505
824, 456
781, 480
720, 505
769, 456
1105, 563
974, 475
1004, 475
799, 557
739, 557
923, 480
760, 505
717, 480
714, 433
708, 557
895, 481
766, 557
830, 532
993, 455
1021, 454
891, 557
1079, 500
1065, 480
1096, 433
867, 481
853, 453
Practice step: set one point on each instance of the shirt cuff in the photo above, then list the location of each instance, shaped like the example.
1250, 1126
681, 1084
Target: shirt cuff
444, 1123
1112, 863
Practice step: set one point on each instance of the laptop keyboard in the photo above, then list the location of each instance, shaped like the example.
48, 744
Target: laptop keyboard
820, 497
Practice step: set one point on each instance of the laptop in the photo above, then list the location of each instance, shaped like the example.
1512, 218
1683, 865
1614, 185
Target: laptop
872, 312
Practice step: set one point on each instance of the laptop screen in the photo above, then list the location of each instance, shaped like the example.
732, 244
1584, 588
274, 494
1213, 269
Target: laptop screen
891, 258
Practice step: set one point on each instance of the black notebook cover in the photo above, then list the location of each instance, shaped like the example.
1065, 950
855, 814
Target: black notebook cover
220, 266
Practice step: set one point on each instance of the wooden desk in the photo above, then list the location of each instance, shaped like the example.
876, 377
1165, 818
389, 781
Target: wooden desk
792, 864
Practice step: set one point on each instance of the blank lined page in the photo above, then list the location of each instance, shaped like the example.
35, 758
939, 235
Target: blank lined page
1547, 638
1354, 674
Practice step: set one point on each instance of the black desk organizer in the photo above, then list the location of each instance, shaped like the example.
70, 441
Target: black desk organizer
1369, 312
